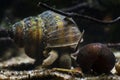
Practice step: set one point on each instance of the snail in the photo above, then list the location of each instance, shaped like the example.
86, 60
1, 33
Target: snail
47, 37
96, 57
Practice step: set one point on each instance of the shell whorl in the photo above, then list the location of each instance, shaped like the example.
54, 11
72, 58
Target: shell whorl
29, 33
61, 30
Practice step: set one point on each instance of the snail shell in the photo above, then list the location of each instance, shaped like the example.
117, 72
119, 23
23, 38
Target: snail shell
46, 31
97, 57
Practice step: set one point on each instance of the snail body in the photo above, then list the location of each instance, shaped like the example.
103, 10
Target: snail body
96, 57
49, 32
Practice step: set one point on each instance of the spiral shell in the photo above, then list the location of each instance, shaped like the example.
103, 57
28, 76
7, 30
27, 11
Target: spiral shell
47, 30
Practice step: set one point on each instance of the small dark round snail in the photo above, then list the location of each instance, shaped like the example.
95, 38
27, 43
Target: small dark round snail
96, 57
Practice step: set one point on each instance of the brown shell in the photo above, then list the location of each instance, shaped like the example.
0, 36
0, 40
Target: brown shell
95, 56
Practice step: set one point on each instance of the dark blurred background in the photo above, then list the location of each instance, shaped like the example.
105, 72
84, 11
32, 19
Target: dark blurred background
12, 11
